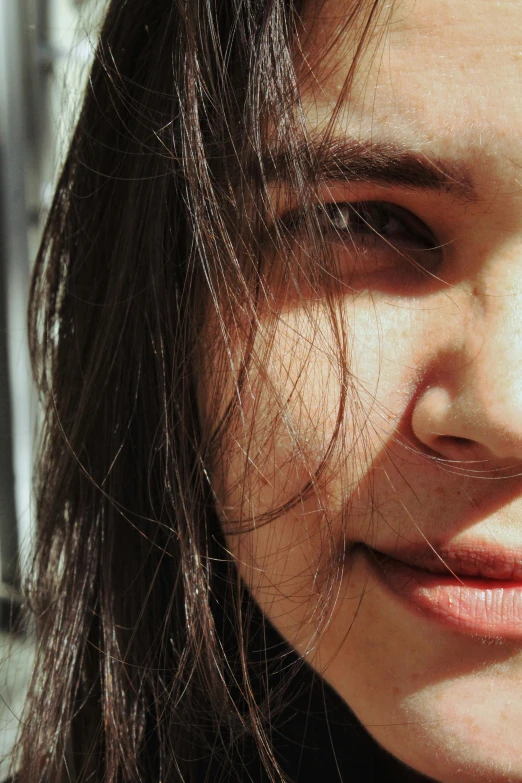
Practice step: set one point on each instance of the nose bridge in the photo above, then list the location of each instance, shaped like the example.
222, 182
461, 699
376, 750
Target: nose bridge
498, 347
494, 330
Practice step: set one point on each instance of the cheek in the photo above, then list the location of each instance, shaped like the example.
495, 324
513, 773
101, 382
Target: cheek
316, 409
318, 402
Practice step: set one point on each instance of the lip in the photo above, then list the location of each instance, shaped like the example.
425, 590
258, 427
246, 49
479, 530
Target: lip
472, 589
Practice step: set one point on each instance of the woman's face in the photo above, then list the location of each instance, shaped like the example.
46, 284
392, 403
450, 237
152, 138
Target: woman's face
426, 463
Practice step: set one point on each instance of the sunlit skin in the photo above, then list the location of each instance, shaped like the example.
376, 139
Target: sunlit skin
430, 446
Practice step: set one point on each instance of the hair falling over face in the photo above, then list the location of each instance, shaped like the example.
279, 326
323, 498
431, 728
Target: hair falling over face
162, 223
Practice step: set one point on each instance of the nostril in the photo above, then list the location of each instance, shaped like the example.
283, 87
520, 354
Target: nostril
456, 442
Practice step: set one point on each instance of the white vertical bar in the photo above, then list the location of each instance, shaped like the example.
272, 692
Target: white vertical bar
14, 255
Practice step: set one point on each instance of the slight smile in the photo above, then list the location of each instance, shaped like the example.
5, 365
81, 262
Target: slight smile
473, 589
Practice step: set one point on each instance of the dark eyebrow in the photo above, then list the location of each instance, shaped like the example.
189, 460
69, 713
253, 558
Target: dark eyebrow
385, 163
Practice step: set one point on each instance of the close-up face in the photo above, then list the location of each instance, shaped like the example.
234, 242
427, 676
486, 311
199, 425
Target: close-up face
371, 489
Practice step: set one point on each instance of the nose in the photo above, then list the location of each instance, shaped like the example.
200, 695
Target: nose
469, 405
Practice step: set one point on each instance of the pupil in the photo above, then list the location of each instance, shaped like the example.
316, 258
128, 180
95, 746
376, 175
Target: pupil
373, 218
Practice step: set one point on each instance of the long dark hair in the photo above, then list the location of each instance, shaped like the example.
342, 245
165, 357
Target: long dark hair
145, 665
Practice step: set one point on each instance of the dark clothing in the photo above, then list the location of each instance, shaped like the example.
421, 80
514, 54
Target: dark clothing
315, 736
319, 740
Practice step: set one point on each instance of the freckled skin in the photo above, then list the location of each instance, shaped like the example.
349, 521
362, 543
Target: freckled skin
430, 445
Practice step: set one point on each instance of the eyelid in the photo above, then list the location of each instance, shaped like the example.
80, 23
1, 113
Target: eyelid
447, 219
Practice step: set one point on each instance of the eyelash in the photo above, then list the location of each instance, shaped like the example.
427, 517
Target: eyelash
378, 237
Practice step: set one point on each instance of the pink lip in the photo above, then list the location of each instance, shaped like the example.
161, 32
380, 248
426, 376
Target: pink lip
473, 590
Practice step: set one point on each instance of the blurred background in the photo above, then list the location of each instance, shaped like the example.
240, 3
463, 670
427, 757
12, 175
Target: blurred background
46, 47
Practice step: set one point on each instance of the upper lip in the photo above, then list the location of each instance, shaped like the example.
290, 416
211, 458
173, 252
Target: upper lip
473, 559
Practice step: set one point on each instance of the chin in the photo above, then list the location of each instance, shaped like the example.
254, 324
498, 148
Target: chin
465, 731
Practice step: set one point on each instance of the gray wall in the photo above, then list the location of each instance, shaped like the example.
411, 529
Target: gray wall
45, 49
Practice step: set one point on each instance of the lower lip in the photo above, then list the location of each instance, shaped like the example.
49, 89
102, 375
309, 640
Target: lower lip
483, 607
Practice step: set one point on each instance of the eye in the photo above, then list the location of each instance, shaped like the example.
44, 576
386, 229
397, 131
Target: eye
379, 219
373, 242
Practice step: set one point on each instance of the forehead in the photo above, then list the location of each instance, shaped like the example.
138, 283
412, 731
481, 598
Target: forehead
438, 75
